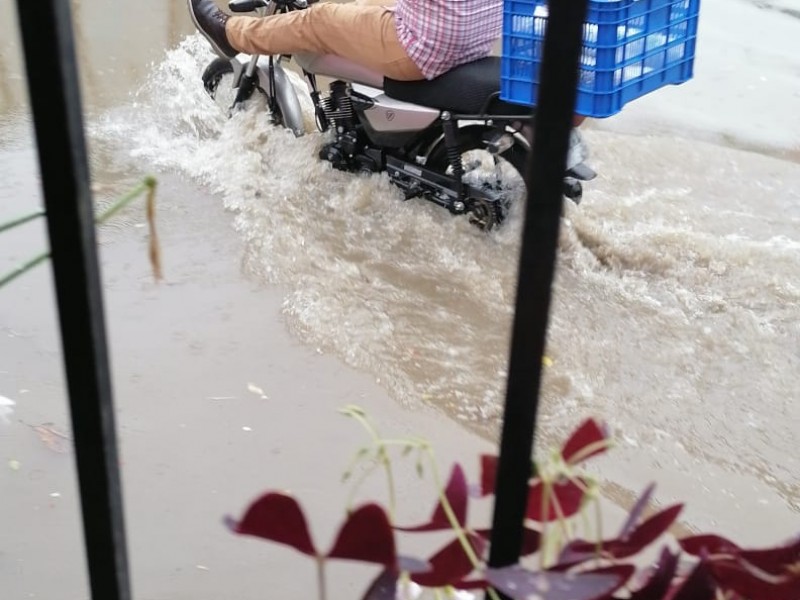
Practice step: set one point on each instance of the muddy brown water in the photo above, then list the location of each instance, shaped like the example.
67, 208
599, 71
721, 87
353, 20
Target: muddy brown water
675, 314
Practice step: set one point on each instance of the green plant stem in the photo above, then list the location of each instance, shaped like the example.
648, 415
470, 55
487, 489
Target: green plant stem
579, 484
413, 443
387, 464
321, 586
24, 268
450, 513
562, 520
545, 514
589, 450
348, 472
148, 185
381, 456
424, 448
586, 524
599, 519
454, 524
20, 220
358, 483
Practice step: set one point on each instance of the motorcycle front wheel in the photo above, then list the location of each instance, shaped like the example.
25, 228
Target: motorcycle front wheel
219, 81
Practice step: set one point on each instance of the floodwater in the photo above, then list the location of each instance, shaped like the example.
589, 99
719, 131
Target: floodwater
676, 314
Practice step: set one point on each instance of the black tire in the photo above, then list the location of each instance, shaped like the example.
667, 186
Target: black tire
213, 74
471, 138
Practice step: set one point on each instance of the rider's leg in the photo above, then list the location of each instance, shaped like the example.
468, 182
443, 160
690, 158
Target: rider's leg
363, 34
384, 3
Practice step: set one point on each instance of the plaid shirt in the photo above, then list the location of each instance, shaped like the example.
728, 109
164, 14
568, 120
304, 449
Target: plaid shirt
439, 35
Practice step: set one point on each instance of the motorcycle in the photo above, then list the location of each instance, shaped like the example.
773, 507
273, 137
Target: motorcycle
450, 140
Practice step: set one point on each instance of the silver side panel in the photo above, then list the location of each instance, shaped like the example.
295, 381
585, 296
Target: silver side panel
390, 115
338, 68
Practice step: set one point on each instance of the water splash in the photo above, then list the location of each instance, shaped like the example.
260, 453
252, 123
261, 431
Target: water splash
676, 302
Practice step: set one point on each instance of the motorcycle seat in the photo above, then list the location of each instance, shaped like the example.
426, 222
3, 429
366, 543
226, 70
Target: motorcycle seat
467, 89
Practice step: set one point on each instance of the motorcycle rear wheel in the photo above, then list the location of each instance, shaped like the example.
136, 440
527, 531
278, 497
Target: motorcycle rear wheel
479, 172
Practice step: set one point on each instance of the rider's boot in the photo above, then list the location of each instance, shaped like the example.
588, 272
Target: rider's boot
210, 21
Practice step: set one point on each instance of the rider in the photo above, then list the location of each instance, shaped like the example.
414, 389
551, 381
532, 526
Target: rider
412, 40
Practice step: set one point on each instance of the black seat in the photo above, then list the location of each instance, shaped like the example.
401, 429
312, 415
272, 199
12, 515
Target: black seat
468, 89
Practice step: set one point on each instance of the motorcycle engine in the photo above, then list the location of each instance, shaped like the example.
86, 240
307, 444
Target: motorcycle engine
347, 152
338, 109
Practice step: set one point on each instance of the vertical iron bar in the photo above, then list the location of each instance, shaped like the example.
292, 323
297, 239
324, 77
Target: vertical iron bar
53, 87
553, 123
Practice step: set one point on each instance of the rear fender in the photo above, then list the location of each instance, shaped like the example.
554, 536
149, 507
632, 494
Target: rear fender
476, 129
577, 155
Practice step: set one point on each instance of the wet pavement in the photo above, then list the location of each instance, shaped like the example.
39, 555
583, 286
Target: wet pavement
676, 309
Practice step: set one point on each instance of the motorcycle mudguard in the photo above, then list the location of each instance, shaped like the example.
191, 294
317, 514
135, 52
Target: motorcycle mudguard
287, 98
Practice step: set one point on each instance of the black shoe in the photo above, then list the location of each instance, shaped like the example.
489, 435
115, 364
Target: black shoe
210, 21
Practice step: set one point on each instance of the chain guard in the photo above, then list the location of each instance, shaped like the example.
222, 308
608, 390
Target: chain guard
485, 208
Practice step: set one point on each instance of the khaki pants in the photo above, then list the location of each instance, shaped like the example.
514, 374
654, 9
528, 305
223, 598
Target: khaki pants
363, 32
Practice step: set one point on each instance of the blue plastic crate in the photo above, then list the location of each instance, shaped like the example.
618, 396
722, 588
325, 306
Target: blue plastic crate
630, 48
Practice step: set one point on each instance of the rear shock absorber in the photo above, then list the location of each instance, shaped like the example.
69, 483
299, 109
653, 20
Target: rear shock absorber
453, 151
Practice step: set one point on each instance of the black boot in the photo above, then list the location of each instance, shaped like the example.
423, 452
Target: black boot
210, 21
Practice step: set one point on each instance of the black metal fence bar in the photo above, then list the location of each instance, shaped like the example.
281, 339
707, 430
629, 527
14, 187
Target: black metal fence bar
55, 101
553, 123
